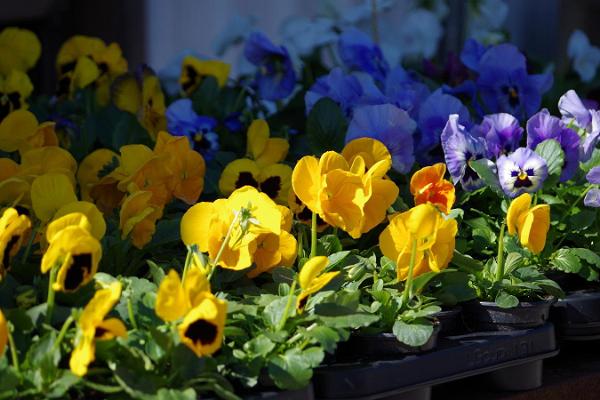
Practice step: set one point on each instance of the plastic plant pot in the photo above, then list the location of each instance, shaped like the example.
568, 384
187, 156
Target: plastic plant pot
577, 316
487, 316
381, 346
451, 321
512, 360
306, 393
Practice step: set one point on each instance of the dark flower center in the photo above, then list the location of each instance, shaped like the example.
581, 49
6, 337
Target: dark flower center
271, 186
64, 85
100, 332
523, 178
82, 265
245, 179
513, 95
200, 142
68, 67
192, 79
302, 302
201, 331
12, 242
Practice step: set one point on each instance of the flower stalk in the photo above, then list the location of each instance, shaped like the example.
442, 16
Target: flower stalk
313, 235
500, 257
13, 348
51, 295
409, 279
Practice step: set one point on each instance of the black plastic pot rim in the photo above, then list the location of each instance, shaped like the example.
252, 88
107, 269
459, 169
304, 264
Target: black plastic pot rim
522, 304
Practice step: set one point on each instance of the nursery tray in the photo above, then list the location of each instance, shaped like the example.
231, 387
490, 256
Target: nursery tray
306, 393
514, 359
577, 316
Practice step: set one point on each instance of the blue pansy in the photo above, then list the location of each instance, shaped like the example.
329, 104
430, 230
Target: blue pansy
359, 52
471, 54
182, 120
405, 91
275, 76
592, 197
433, 115
543, 126
576, 114
390, 125
504, 84
522, 171
502, 133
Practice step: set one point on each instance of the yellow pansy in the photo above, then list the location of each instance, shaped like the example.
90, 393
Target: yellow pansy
98, 181
92, 213
262, 148
72, 219
275, 250
15, 88
14, 191
16, 128
48, 159
3, 333
245, 214
312, 279
202, 328
434, 236
137, 218
194, 70
49, 192
274, 180
19, 50
184, 166
13, 230
76, 253
530, 223
93, 326
141, 95
370, 150
174, 298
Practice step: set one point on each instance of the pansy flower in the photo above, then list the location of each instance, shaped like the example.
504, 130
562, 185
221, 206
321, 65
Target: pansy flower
390, 125
93, 325
312, 278
49, 192
202, 328
97, 180
543, 126
182, 120
505, 85
502, 133
531, 224
138, 216
175, 298
3, 333
522, 171
194, 70
428, 185
20, 50
140, 94
575, 113
344, 89
433, 115
275, 77
21, 131
460, 148
76, 254
92, 213
15, 88
13, 231
302, 213
592, 197
405, 91
359, 52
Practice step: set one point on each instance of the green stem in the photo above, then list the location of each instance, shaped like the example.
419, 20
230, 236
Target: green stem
409, 279
500, 257
50, 299
62, 333
566, 215
29, 245
130, 314
13, 349
313, 235
188, 261
225, 242
287, 307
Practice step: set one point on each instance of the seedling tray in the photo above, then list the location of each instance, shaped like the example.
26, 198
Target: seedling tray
514, 359
300, 394
577, 316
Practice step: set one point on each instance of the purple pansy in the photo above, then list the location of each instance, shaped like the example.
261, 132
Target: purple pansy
505, 85
275, 77
182, 120
592, 198
433, 115
576, 113
522, 171
502, 133
543, 126
390, 125
359, 52
460, 147
471, 54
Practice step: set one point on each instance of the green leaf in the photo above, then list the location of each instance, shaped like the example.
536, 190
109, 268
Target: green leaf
452, 287
506, 300
587, 255
489, 176
174, 394
565, 260
466, 263
204, 97
326, 127
167, 231
61, 385
422, 280
157, 273
326, 336
512, 262
338, 316
415, 333
329, 244
273, 312
259, 346
291, 370
551, 151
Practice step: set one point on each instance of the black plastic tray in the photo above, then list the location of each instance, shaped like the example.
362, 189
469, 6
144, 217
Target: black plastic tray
513, 357
577, 316
306, 393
